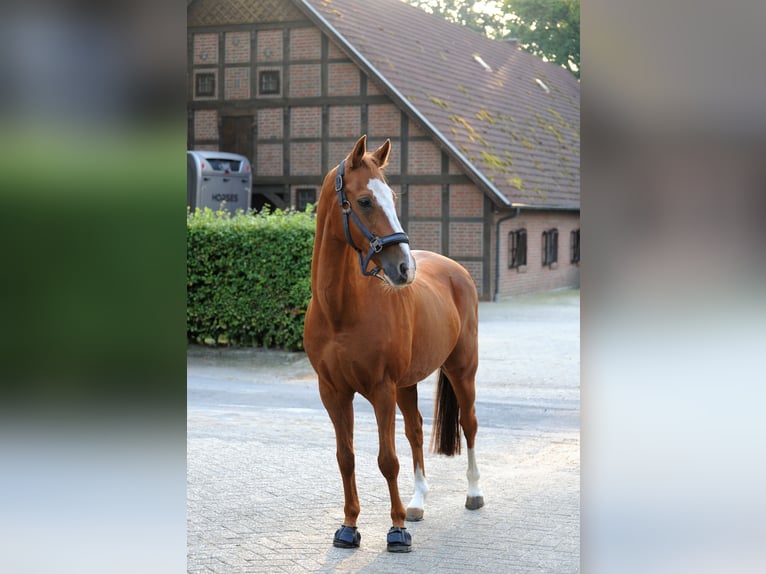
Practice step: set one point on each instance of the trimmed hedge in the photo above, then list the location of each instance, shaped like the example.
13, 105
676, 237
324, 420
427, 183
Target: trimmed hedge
248, 277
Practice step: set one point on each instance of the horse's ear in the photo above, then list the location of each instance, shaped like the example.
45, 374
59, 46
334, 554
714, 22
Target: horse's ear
380, 155
359, 150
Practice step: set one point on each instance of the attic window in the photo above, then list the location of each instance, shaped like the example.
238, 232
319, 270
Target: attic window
540, 83
482, 62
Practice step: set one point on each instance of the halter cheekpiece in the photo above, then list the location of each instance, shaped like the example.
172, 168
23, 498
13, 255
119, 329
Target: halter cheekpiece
377, 244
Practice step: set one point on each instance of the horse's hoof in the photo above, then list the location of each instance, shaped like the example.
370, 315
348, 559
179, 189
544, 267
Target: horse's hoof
414, 515
474, 502
347, 537
399, 540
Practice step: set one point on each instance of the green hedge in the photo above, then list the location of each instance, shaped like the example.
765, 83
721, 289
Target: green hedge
248, 278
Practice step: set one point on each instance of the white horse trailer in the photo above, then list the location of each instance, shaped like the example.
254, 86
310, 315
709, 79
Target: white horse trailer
218, 180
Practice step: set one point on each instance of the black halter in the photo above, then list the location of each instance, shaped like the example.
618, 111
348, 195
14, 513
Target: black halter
376, 243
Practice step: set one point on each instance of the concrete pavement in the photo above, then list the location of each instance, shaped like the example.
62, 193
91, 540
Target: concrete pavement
264, 490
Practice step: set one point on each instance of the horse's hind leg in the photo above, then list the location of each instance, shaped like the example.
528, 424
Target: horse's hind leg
462, 375
407, 399
340, 407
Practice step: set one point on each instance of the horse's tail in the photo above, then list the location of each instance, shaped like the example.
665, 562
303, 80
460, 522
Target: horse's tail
445, 438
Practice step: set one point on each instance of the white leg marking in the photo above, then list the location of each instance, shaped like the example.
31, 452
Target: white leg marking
421, 490
473, 474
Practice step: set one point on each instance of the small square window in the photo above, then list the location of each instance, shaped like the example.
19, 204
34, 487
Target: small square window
304, 196
268, 82
204, 85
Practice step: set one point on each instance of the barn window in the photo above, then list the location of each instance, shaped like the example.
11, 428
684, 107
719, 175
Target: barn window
517, 248
304, 196
204, 85
550, 247
268, 82
574, 239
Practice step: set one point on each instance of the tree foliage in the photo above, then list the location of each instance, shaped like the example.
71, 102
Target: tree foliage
485, 17
547, 28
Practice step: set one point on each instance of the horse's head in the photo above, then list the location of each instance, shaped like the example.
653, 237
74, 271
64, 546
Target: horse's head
368, 208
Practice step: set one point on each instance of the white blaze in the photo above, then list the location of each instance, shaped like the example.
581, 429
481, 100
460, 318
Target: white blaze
384, 196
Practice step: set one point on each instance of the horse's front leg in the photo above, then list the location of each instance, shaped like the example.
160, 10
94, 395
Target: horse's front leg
407, 399
340, 407
384, 403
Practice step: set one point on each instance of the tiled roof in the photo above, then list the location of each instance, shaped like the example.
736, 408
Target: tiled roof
511, 120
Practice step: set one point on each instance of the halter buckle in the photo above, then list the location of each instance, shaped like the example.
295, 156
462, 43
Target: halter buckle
376, 244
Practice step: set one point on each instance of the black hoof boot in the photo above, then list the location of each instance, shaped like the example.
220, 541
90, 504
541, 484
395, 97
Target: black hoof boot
474, 502
399, 540
347, 537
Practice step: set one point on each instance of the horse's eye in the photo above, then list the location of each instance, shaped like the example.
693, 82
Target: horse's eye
365, 203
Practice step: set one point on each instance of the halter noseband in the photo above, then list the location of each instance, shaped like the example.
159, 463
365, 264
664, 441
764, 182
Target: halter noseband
377, 244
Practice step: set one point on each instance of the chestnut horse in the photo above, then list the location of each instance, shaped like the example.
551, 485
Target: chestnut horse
379, 331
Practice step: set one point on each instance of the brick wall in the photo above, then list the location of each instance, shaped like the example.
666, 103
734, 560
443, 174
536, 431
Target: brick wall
206, 125
305, 158
345, 121
537, 277
305, 44
373, 89
269, 122
465, 239
305, 81
425, 201
383, 120
237, 83
416, 131
465, 201
337, 151
425, 235
424, 158
306, 122
269, 160
334, 53
205, 49
237, 47
342, 79
269, 45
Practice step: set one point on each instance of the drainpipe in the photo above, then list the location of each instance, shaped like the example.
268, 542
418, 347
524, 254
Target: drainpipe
497, 251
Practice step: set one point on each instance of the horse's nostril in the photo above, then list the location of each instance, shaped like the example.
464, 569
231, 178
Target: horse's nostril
403, 269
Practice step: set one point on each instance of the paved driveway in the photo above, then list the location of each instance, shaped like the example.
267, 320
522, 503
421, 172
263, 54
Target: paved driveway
264, 490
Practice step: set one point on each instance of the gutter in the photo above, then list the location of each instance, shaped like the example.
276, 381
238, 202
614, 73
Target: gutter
318, 19
497, 251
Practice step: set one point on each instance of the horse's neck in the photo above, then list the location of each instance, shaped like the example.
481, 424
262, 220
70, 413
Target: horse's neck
336, 280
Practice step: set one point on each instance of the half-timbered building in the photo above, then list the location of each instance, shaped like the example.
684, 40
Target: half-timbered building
485, 136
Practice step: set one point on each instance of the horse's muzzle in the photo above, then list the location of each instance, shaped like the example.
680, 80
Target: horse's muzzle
398, 266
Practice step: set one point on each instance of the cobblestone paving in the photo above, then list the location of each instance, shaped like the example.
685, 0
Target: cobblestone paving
264, 490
